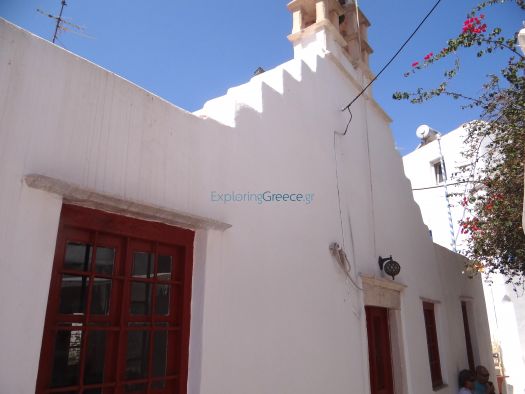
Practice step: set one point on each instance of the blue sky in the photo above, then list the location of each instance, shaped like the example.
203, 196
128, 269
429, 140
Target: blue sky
191, 51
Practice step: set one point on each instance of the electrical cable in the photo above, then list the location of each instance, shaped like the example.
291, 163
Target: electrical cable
339, 192
472, 175
449, 211
450, 184
348, 124
395, 55
348, 273
369, 155
358, 26
342, 258
346, 262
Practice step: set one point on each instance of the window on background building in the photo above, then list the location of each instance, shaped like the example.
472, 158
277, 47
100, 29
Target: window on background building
468, 342
118, 310
439, 172
432, 344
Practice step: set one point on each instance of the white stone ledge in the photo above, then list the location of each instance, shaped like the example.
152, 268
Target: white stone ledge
76, 195
430, 300
381, 292
380, 282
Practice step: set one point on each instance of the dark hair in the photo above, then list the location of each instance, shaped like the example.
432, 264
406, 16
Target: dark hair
465, 376
481, 370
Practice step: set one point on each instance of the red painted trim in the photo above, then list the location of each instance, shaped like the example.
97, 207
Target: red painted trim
124, 234
379, 350
432, 344
186, 317
92, 219
468, 342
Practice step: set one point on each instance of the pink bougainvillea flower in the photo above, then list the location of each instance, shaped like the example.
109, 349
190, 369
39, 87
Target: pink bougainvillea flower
415, 64
474, 26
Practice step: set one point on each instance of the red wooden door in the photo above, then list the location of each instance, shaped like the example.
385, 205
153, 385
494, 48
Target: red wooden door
379, 353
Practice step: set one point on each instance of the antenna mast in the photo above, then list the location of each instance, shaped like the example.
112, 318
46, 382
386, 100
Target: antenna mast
62, 24
59, 20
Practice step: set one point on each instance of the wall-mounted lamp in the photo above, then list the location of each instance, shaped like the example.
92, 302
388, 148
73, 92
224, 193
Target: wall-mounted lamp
389, 266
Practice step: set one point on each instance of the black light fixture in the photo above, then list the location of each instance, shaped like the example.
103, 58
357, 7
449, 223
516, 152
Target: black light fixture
389, 266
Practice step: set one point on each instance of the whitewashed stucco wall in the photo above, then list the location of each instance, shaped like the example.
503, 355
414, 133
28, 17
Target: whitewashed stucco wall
271, 310
505, 307
433, 275
477, 315
418, 167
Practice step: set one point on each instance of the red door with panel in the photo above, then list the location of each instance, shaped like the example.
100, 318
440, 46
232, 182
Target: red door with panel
379, 350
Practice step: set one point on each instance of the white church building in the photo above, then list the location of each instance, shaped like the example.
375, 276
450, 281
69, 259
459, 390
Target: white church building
255, 246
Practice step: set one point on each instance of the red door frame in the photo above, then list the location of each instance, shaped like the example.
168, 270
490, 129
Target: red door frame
379, 350
432, 344
468, 341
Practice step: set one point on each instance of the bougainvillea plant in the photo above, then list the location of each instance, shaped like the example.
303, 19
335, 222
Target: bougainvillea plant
493, 199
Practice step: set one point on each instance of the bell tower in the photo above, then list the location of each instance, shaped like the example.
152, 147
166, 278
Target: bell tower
335, 26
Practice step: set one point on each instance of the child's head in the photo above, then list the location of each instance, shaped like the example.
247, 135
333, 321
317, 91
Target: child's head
466, 379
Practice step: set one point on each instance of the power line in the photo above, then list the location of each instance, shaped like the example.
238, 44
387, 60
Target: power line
347, 125
450, 184
395, 55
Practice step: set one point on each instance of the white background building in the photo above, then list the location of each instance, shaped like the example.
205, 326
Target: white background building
505, 307
272, 311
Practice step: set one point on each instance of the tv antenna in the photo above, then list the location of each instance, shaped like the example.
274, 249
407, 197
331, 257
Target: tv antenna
63, 24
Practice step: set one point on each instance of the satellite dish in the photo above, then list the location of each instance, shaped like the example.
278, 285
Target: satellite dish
521, 39
425, 132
